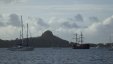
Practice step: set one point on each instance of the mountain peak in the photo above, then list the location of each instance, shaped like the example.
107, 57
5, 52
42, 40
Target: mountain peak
47, 33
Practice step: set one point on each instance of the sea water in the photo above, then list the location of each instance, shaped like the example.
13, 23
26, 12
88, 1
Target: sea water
57, 56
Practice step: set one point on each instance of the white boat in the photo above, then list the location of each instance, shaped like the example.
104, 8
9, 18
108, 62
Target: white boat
111, 49
22, 47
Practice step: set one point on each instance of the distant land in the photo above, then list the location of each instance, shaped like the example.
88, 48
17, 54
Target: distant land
47, 39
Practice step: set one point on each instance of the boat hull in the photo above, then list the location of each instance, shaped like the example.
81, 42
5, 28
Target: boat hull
21, 49
81, 46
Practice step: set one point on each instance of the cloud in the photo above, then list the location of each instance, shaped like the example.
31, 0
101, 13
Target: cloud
55, 23
101, 31
93, 19
9, 32
74, 23
65, 23
42, 23
1, 16
14, 20
79, 17
70, 25
2, 24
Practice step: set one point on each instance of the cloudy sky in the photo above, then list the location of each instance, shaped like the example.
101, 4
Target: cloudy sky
94, 18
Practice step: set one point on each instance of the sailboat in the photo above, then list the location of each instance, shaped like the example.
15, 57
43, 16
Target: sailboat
21, 46
80, 46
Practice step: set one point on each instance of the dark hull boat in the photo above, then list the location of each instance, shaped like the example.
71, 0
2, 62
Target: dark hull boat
81, 46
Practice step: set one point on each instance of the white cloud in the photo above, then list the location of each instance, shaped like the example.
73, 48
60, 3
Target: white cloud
1, 19
101, 31
9, 32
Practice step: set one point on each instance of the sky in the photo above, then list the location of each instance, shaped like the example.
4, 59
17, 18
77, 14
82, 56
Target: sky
65, 18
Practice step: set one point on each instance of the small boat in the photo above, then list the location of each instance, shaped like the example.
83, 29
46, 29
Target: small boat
21, 46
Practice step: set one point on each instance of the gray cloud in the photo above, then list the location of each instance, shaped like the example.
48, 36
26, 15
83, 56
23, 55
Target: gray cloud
70, 25
14, 20
1, 16
42, 23
79, 17
93, 19
2, 24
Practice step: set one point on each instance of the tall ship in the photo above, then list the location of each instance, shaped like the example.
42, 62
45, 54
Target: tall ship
79, 42
21, 45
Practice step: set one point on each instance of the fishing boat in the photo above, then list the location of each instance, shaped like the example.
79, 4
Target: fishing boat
21, 46
81, 45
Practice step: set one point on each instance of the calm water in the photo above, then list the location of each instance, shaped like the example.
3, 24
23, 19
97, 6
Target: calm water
56, 56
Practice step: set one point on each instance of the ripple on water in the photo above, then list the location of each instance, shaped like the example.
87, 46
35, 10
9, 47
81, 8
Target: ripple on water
56, 56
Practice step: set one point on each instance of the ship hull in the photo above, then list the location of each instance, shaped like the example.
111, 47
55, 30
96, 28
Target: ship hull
81, 46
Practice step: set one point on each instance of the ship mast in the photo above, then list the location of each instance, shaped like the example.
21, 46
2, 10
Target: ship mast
81, 38
27, 35
76, 37
22, 30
